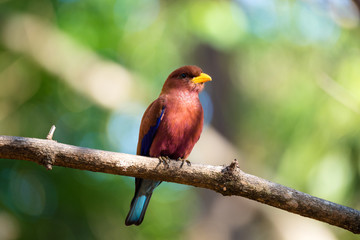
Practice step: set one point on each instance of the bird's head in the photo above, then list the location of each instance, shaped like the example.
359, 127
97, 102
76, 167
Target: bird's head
186, 78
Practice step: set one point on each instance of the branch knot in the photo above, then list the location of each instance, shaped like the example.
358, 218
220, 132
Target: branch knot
230, 175
233, 168
48, 161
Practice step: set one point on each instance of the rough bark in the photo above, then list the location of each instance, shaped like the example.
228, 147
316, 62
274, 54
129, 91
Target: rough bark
227, 180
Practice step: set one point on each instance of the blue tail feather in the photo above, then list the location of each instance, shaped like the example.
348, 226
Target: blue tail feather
139, 203
137, 210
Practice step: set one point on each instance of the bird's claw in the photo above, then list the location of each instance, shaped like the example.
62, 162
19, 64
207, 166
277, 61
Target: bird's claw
165, 160
182, 162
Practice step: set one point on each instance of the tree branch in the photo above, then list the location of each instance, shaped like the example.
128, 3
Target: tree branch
228, 180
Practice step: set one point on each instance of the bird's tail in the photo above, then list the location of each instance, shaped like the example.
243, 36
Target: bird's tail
137, 209
140, 202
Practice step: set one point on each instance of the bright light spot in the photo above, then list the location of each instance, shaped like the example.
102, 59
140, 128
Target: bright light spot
332, 177
220, 23
9, 227
104, 86
315, 26
262, 16
300, 22
136, 15
123, 131
345, 13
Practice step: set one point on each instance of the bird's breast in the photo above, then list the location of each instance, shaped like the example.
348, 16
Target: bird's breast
180, 128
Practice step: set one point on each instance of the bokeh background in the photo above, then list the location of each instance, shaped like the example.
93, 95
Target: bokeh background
284, 101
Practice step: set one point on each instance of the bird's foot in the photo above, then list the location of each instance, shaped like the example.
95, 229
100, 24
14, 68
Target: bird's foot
182, 161
164, 160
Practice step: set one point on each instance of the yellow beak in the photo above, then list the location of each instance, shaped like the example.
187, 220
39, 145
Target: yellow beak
202, 78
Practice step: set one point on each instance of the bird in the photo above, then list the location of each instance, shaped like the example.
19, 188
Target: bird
169, 128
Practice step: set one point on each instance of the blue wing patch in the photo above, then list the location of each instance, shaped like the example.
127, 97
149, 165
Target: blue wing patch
149, 136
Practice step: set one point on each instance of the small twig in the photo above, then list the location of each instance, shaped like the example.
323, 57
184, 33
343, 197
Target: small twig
51, 133
49, 160
228, 180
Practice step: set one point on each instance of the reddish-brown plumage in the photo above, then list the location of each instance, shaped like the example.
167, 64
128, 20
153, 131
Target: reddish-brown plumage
182, 121
170, 127
180, 127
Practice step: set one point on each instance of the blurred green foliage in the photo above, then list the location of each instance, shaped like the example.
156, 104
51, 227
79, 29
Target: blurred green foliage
291, 124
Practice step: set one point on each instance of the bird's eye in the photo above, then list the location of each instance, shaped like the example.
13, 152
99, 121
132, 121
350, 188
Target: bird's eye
183, 75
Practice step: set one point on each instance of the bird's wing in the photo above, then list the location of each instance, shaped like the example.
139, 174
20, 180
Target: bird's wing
149, 125
144, 187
